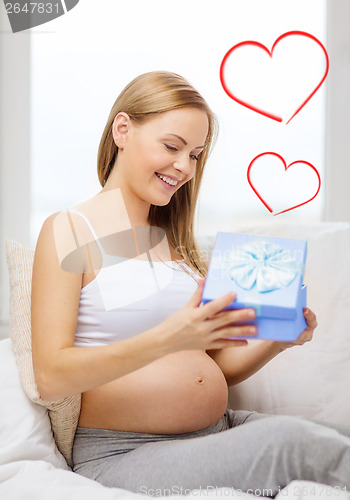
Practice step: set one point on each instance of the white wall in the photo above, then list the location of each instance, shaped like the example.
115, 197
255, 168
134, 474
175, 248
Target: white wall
15, 138
337, 201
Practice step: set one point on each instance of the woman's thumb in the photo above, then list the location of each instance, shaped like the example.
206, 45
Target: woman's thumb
196, 298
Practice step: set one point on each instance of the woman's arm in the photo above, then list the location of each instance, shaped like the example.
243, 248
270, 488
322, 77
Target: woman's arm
61, 369
240, 363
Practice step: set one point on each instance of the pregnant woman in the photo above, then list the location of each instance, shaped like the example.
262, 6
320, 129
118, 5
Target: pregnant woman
117, 316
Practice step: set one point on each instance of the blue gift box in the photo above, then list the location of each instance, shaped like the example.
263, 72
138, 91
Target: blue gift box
267, 275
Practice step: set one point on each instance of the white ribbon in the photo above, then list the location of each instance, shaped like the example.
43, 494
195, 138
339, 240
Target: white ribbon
262, 263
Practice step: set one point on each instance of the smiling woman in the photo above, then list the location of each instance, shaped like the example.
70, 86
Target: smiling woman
152, 365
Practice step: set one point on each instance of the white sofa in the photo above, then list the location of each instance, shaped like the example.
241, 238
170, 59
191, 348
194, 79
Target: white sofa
311, 380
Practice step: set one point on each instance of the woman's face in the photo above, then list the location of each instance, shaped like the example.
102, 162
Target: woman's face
167, 145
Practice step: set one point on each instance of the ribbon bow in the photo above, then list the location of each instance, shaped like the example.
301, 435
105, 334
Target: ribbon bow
262, 263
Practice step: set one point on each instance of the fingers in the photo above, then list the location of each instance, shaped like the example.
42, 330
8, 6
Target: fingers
216, 305
310, 318
307, 334
232, 316
220, 318
196, 298
236, 331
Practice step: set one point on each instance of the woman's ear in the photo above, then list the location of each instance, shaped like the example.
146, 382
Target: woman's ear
120, 128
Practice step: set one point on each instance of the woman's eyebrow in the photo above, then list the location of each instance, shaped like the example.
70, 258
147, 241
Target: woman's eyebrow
183, 140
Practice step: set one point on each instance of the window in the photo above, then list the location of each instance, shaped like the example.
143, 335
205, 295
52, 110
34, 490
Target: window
79, 68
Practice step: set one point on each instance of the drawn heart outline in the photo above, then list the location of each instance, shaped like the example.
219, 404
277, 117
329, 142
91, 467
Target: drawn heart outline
261, 46
285, 168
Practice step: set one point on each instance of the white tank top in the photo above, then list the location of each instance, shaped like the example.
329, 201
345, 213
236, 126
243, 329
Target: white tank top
129, 297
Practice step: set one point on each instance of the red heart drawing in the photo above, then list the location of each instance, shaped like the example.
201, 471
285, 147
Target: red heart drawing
285, 168
270, 53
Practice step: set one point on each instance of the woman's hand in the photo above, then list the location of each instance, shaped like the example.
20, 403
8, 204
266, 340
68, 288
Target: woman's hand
205, 327
307, 334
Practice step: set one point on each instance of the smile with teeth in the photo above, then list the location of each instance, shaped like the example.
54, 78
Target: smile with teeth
167, 179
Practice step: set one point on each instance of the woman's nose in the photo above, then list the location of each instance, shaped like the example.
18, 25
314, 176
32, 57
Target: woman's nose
183, 164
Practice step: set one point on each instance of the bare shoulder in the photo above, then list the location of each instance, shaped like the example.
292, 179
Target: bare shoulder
65, 243
55, 290
59, 264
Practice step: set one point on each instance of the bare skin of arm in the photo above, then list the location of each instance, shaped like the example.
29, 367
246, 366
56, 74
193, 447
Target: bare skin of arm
240, 363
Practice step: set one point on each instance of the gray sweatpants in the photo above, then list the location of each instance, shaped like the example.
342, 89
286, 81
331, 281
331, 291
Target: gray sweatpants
263, 455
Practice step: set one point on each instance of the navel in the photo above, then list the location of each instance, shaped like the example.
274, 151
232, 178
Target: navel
200, 380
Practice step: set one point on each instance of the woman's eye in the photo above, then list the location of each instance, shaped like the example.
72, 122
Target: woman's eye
171, 148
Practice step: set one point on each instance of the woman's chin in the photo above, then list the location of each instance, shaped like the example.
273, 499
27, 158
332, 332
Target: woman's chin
160, 203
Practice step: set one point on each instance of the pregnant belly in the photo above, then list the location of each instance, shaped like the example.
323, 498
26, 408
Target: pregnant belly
180, 392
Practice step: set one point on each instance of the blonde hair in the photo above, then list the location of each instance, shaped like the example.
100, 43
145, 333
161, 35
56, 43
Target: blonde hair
143, 98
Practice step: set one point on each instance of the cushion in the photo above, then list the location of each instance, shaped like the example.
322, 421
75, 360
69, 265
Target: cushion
63, 413
311, 380
25, 430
